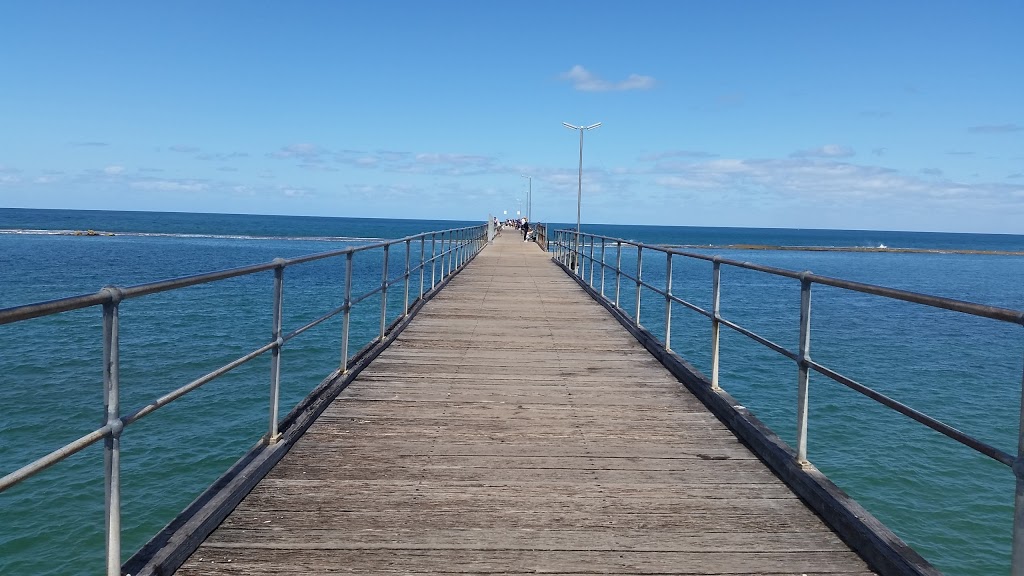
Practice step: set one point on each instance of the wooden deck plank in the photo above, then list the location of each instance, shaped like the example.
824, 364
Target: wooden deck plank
515, 428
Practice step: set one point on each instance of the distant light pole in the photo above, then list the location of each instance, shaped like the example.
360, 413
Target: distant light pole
579, 189
529, 195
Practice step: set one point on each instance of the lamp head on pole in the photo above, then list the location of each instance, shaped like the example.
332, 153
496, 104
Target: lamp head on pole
571, 127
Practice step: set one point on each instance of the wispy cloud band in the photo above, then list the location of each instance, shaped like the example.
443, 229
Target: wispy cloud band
995, 129
586, 81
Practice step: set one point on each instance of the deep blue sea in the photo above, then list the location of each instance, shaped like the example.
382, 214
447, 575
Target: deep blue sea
952, 505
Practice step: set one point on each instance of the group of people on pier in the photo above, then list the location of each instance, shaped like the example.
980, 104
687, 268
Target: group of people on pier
517, 223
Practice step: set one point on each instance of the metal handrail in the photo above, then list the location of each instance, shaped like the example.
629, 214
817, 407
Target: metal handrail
570, 249
450, 249
541, 231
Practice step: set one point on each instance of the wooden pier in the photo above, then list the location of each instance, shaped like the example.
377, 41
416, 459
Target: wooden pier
515, 427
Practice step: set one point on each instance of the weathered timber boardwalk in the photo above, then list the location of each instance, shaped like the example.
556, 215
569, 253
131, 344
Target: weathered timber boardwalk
514, 427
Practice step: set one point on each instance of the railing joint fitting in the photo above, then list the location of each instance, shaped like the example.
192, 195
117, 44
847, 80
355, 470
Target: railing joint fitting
1018, 468
116, 294
116, 427
271, 440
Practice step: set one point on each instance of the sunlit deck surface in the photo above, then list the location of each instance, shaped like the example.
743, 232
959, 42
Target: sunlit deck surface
515, 427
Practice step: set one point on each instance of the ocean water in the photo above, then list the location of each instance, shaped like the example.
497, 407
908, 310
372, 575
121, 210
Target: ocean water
954, 506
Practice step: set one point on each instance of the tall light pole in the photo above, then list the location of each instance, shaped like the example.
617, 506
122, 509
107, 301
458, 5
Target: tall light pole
529, 197
579, 190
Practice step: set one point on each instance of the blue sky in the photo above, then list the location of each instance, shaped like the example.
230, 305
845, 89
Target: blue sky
863, 115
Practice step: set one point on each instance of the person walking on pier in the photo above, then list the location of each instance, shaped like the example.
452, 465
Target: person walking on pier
526, 228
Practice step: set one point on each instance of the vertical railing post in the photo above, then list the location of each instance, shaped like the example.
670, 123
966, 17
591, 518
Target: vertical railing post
573, 264
602, 267
618, 271
456, 248
571, 253
1017, 550
460, 243
440, 258
346, 313
716, 317
112, 418
668, 301
592, 261
582, 257
433, 259
423, 264
275, 357
567, 247
443, 254
803, 375
461, 259
451, 252
384, 293
639, 280
408, 262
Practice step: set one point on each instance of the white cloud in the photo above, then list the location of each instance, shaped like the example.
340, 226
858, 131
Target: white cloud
305, 151
222, 156
169, 185
996, 129
432, 163
294, 192
113, 170
677, 154
364, 159
823, 180
456, 159
826, 151
585, 81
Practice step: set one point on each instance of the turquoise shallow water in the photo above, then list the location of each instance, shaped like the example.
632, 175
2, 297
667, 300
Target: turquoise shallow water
952, 505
